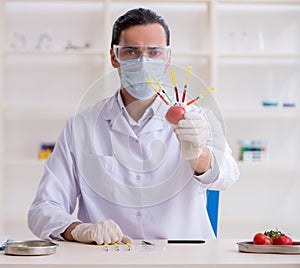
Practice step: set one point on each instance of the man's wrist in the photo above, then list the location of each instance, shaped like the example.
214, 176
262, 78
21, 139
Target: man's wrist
202, 163
67, 233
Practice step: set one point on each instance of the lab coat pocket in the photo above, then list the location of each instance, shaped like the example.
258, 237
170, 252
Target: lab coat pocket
93, 165
107, 162
100, 173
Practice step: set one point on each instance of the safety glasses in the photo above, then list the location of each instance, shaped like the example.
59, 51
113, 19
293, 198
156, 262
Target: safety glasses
133, 52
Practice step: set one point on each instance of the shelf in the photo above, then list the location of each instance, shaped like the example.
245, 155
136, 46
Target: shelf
191, 53
286, 2
101, 53
32, 162
39, 111
239, 46
267, 112
53, 1
259, 2
265, 166
259, 56
54, 53
165, 1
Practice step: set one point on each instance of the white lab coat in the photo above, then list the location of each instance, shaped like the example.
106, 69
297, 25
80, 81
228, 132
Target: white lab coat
131, 172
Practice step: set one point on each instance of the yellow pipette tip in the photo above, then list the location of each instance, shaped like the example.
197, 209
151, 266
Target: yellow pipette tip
156, 81
105, 245
150, 84
206, 92
154, 78
128, 244
187, 75
173, 77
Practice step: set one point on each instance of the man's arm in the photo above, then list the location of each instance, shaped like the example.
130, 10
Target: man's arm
67, 233
203, 163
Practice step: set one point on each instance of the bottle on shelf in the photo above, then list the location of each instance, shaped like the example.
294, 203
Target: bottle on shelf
270, 99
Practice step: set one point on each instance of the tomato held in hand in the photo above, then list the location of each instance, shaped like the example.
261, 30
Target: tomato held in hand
282, 240
174, 114
261, 239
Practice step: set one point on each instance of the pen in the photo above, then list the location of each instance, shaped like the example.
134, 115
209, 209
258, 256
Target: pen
181, 241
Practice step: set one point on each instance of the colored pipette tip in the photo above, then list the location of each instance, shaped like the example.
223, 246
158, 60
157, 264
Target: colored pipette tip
161, 88
105, 246
156, 91
116, 246
173, 74
128, 244
183, 95
186, 83
200, 96
187, 75
150, 84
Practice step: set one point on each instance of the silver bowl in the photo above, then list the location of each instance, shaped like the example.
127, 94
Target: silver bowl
30, 247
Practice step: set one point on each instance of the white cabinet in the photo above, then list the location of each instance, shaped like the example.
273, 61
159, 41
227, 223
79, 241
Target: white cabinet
258, 60
44, 78
52, 51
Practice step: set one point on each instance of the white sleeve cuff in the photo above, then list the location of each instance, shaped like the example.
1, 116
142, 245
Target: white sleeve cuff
210, 175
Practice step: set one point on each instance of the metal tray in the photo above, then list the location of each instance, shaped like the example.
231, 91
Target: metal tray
30, 247
249, 247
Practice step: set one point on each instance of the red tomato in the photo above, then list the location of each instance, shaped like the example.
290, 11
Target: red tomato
174, 114
261, 239
283, 240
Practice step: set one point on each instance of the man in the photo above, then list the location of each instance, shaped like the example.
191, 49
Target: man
134, 175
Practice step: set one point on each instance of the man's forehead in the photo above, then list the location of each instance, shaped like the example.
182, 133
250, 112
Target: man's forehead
149, 34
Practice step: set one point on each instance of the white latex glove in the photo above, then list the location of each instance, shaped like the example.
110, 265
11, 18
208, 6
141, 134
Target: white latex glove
192, 133
104, 232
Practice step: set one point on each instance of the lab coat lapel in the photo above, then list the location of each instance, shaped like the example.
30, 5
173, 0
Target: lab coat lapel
154, 124
121, 125
157, 121
117, 121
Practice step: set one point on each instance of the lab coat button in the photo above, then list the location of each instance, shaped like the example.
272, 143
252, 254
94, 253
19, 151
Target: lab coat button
138, 214
138, 177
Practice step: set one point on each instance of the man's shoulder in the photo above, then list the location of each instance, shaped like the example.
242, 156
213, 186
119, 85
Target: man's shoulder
102, 105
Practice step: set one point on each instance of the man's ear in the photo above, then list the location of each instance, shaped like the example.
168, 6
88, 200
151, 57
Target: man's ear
113, 59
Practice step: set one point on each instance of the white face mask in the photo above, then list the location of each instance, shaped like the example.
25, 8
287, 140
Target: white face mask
134, 73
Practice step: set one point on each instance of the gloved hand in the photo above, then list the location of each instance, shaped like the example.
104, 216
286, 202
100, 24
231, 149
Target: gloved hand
192, 133
104, 232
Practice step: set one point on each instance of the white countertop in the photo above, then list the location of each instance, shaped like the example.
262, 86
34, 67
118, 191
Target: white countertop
213, 253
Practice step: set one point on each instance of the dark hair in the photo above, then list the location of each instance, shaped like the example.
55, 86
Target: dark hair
138, 16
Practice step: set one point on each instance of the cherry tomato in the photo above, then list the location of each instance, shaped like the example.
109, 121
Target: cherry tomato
283, 240
262, 239
174, 114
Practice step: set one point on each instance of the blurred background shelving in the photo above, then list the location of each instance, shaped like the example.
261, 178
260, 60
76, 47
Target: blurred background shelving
52, 51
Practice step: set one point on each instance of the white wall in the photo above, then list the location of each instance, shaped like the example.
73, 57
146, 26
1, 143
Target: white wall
242, 49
